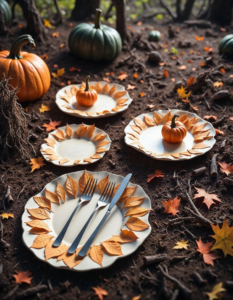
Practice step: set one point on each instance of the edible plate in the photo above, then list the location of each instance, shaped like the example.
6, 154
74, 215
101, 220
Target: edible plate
143, 133
46, 213
112, 99
74, 144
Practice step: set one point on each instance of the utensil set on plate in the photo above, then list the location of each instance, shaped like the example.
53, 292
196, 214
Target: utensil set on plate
104, 199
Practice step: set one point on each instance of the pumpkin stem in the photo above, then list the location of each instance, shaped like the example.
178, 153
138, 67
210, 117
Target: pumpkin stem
87, 83
98, 12
18, 44
173, 124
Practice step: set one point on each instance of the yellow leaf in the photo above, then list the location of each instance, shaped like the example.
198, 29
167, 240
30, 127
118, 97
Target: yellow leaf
112, 248
69, 131
181, 245
136, 224
81, 130
38, 213
44, 108
61, 191
36, 163
43, 202
51, 251
71, 186
41, 241
48, 24
96, 254
215, 293
5, 215
52, 197
182, 94
59, 73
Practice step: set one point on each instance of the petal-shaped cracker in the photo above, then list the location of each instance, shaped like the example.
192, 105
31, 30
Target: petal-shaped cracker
140, 123
120, 94
148, 121
200, 146
112, 90
74, 90
69, 131
136, 128
81, 130
168, 116
68, 93
105, 88
90, 130
157, 118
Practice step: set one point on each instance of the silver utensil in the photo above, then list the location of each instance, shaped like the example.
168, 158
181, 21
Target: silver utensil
86, 196
104, 199
116, 197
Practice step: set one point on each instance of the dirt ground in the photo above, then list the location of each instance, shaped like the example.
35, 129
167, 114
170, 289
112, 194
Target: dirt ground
129, 277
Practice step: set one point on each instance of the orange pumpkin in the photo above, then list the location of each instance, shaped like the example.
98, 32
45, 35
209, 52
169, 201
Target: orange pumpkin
86, 97
25, 70
174, 131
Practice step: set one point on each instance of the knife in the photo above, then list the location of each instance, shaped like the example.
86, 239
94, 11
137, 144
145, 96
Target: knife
116, 197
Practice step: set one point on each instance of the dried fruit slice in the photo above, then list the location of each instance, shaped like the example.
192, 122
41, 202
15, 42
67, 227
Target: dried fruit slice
198, 128
76, 161
88, 160
200, 146
185, 153
193, 151
175, 155
96, 156
101, 150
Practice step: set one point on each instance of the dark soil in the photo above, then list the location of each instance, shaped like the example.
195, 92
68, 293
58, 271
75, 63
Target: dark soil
124, 279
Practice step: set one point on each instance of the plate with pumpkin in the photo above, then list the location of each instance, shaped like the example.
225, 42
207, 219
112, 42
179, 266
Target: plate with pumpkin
75, 144
93, 99
170, 135
46, 213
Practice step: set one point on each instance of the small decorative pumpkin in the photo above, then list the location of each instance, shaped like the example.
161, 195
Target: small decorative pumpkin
226, 45
95, 42
174, 131
4, 6
25, 70
154, 36
86, 97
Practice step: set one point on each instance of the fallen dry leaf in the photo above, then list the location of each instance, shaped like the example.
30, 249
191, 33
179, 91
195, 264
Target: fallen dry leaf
208, 198
5, 215
81, 130
133, 201
148, 121
140, 123
36, 163
210, 118
182, 68
38, 213
23, 277
52, 125
218, 84
201, 38
137, 211
51, 251
69, 131
205, 250
99, 137
190, 81
44, 108
157, 118
96, 254
136, 224
165, 73
112, 248
131, 87
43, 202
102, 184
60, 191
71, 186
59, 135
90, 130
181, 245
38, 224
41, 241
59, 73
215, 293
122, 76
226, 168
171, 206
223, 238
157, 174
182, 93
141, 95
100, 292
219, 131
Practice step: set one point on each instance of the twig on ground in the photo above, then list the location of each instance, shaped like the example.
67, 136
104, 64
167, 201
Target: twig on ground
199, 280
192, 204
148, 260
181, 219
189, 232
213, 166
198, 172
32, 291
201, 219
11, 293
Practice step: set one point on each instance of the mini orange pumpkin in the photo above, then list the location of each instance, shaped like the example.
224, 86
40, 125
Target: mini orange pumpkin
174, 131
86, 97
27, 71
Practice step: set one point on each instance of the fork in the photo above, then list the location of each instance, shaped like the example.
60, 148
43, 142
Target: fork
104, 199
86, 196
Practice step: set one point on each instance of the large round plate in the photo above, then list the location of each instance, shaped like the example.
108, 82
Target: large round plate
73, 151
60, 214
149, 140
107, 104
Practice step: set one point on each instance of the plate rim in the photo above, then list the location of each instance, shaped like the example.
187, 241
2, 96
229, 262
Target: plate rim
170, 158
111, 113
96, 266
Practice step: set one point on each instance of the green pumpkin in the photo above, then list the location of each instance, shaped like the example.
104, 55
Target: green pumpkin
4, 6
154, 36
226, 45
95, 42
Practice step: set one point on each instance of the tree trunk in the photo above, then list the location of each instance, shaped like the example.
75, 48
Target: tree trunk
35, 27
84, 9
220, 11
121, 17
188, 9
2, 22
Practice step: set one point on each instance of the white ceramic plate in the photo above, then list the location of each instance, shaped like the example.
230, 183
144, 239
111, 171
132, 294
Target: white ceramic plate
151, 142
60, 214
75, 150
104, 106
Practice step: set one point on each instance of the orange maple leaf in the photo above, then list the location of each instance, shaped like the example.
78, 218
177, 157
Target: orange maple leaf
222, 70
202, 64
171, 206
157, 174
52, 125
100, 292
208, 198
211, 118
106, 79
226, 168
165, 73
190, 81
36, 163
122, 75
205, 250
201, 38
135, 75
142, 95
131, 87
219, 131
21, 277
